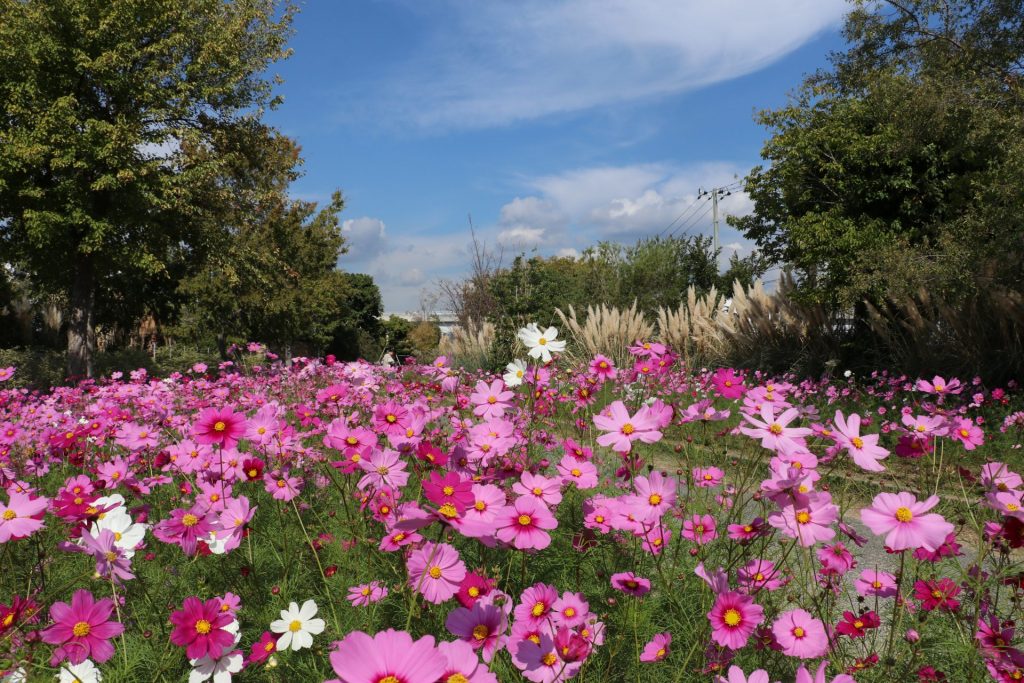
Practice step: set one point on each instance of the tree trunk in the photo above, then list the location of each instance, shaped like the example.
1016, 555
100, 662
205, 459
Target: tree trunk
222, 345
81, 338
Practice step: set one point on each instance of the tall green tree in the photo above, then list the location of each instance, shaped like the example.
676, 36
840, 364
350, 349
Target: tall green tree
119, 121
902, 166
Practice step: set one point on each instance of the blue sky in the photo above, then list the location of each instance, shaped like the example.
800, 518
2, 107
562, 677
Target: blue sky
554, 123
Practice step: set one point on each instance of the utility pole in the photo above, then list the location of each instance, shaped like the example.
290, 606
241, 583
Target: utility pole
714, 218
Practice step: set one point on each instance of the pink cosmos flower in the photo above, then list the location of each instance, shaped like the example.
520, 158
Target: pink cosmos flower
523, 524
938, 594
655, 494
82, 629
804, 676
736, 675
774, 431
570, 610
187, 527
221, 426
707, 477
924, 426
808, 523
623, 429
657, 648
463, 664
733, 618
999, 476
391, 418
547, 490
939, 386
760, 575
630, 583
111, 561
387, 656
579, 472
435, 570
538, 660
383, 469
367, 593
482, 626
966, 432
21, 516
902, 519
451, 489
700, 529
864, 450
491, 400
727, 383
199, 628
602, 367
535, 604
871, 582
800, 634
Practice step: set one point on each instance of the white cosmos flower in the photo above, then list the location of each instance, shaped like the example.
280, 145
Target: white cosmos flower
297, 626
514, 373
541, 344
127, 534
86, 672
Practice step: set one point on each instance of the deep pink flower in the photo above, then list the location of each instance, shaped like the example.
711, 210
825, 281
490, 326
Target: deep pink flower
199, 628
82, 629
535, 604
734, 617
387, 656
700, 529
451, 489
938, 594
902, 519
857, 625
221, 426
800, 635
602, 367
482, 626
727, 383
628, 582
523, 524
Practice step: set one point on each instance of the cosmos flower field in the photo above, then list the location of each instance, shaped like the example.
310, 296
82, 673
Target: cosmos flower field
557, 521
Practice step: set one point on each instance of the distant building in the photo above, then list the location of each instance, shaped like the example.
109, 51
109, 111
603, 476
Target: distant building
445, 321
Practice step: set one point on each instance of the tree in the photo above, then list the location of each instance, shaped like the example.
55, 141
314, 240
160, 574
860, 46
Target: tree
901, 167
119, 120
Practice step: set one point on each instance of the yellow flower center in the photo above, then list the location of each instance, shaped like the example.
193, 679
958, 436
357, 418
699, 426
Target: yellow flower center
492, 400
542, 341
295, 626
803, 517
351, 440
569, 612
628, 429
219, 426
654, 499
1012, 507
964, 433
448, 490
365, 591
537, 491
480, 505
549, 659
203, 626
110, 555
920, 428
189, 520
525, 520
858, 624
390, 419
936, 594
474, 592
456, 678
775, 429
732, 617
539, 609
435, 572
759, 577
481, 632
857, 442
576, 472
448, 510
9, 515
660, 653
904, 514
876, 584
798, 632
81, 629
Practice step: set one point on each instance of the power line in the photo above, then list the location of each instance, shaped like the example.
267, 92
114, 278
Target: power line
694, 220
669, 226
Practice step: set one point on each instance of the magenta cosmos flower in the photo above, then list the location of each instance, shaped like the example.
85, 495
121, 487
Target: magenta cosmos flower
221, 426
903, 522
463, 664
623, 429
734, 617
390, 657
727, 383
800, 634
435, 570
482, 626
22, 516
82, 629
199, 628
864, 450
451, 489
523, 523
630, 583
657, 648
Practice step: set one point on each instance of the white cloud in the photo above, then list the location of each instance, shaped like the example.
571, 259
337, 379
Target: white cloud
492, 63
365, 237
567, 252
521, 236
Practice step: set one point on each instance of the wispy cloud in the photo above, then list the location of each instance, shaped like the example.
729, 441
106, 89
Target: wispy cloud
493, 63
